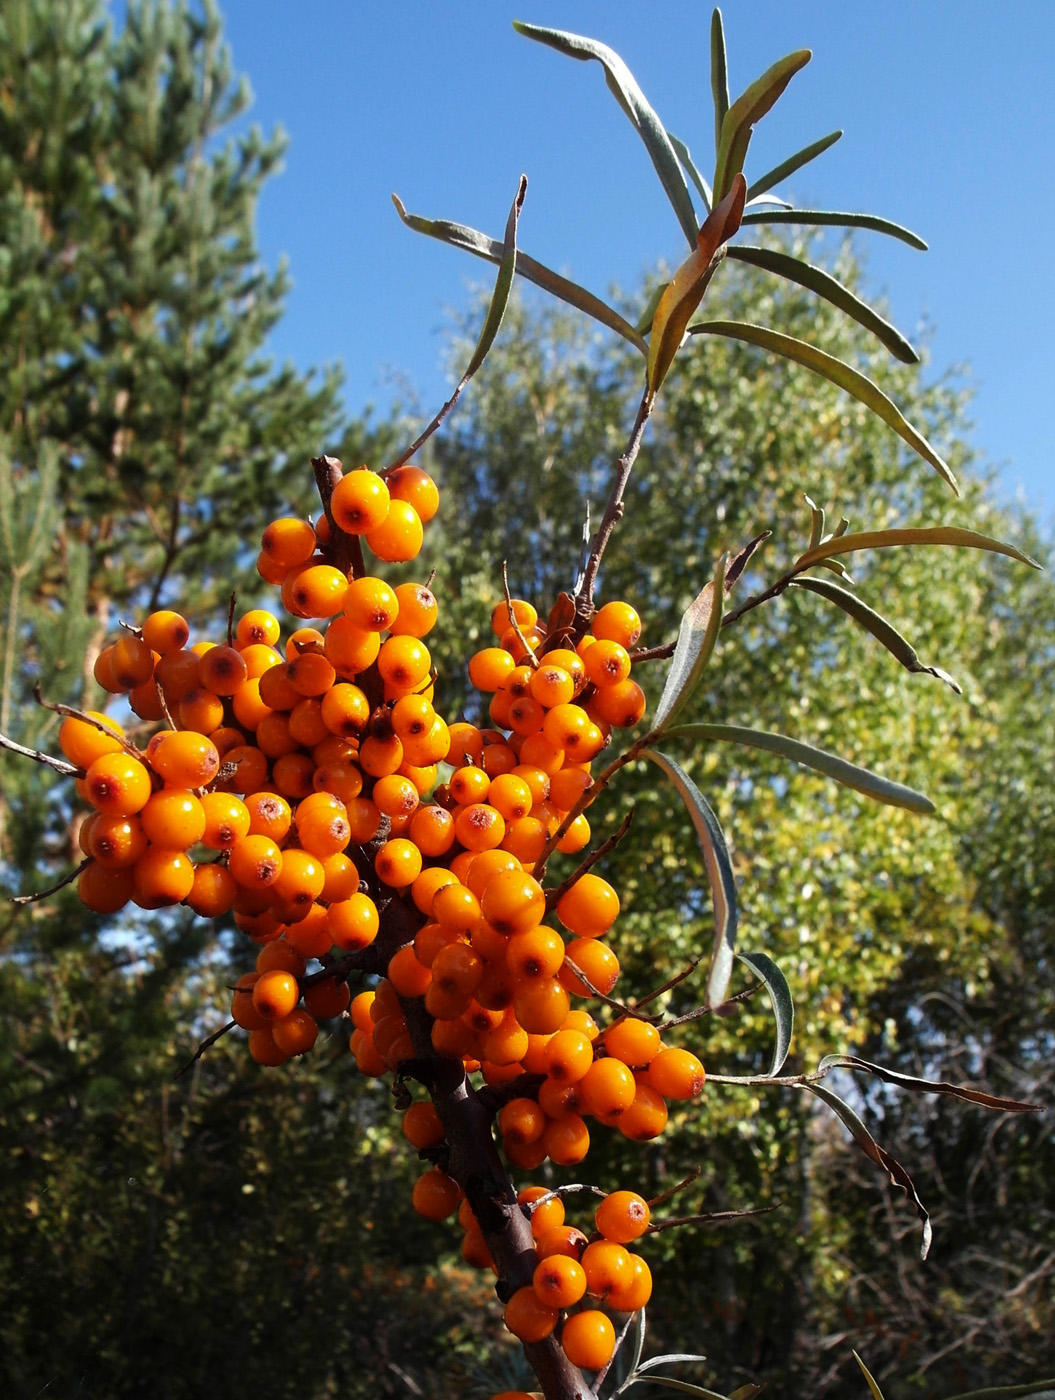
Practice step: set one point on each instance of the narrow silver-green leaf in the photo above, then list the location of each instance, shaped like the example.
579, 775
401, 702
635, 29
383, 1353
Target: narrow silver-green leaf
763, 966
750, 107
1042, 1390
927, 1086
624, 87
932, 534
700, 624
491, 250
877, 1394
503, 284
686, 1387
832, 290
884, 632
746, 1392
648, 315
719, 868
719, 77
838, 218
882, 1158
788, 167
837, 372
817, 519
692, 170
668, 1359
840, 769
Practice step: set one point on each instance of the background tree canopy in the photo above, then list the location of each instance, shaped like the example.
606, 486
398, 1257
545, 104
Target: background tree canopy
250, 1231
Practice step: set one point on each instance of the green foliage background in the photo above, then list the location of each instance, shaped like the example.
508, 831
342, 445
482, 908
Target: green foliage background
250, 1231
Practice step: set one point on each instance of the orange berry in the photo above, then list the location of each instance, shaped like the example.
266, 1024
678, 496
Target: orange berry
165, 631
634, 1042
174, 818
350, 648
398, 538
255, 861
513, 901
275, 994
269, 815
184, 759
634, 1292
567, 1140
257, 628
511, 796
131, 661
422, 1126
559, 1282
616, 622
561, 1239
589, 961
479, 827
588, 1339
552, 685
501, 621
418, 611
83, 743
608, 1088
104, 889
311, 674
314, 590
370, 603
327, 998
431, 829
590, 907
353, 922
536, 953
489, 668
521, 1121
288, 542
177, 675
117, 784
545, 1216
676, 1074
646, 1117
162, 877
200, 710
114, 841
299, 884
410, 483
622, 1216
360, 502
248, 769
310, 936
436, 1195
568, 1056
404, 662
222, 670
528, 1318
398, 863
296, 1033
622, 705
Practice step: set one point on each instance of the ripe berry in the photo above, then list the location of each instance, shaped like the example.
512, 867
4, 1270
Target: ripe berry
360, 502
528, 1318
183, 759
616, 622
327, 998
165, 631
371, 604
421, 1125
275, 994
117, 784
162, 877
255, 861
418, 611
353, 922
622, 1216
398, 538
288, 542
411, 484
588, 1339
131, 661
676, 1074
590, 907
436, 1195
559, 1282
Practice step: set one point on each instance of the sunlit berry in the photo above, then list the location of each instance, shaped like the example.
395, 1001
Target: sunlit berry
175, 818
131, 661
370, 603
104, 889
567, 1141
117, 784
634, 1042
616, 622
489, 668
418, 611
360, 502
501, 618
528, 1318
559, 1282
183, 759
589, 967
162, 877
165, 631
676, 1074
590, 907
255, 861
288, 542
410, 483
399, 537
588, 1339
275, 994
213, 891
353, 922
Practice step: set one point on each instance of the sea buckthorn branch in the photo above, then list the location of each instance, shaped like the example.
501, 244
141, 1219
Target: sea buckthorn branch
67, 770
206, 1044
554, 896
347, 548
96, 721
613, 513
67, 879
712, 1217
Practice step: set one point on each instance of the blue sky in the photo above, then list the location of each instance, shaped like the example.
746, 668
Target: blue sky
948, 109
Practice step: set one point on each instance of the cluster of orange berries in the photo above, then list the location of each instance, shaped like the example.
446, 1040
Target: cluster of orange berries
300, 790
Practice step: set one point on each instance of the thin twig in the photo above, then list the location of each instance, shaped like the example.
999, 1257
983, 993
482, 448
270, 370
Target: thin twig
68, 712
602, 850
613, 513
529, 656
205, 1045
68, 770
230, 619
67, 879
668, 986
673, 1190
714, 1217
598, 1380
701, 1011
